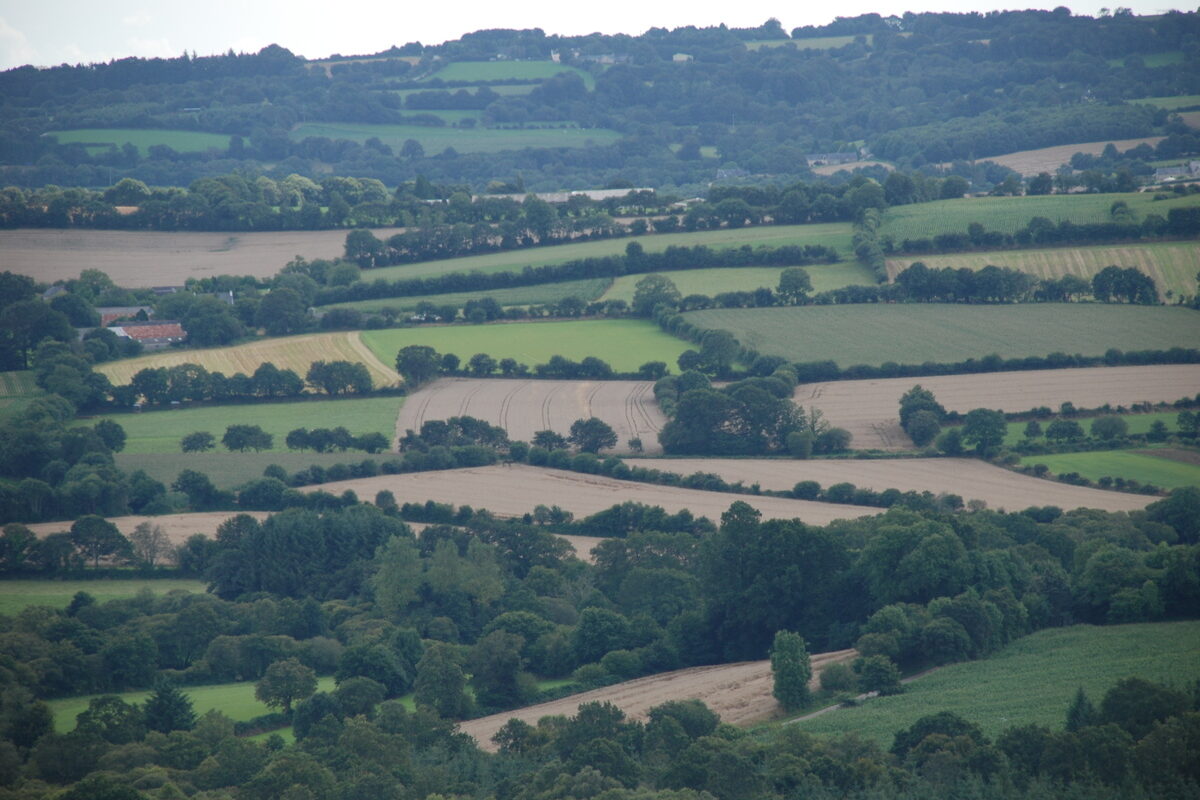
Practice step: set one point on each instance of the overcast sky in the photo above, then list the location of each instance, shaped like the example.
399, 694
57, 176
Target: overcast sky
49, 32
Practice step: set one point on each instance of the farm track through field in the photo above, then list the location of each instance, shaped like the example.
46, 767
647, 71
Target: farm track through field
740, 693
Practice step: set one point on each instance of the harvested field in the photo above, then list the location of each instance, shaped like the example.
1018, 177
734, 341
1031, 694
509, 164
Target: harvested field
516, 490
137, 259
523, 407
583, 546
1049, 159
178, 527
870, 409
970, 478
1172, 265
740, 693
289, 352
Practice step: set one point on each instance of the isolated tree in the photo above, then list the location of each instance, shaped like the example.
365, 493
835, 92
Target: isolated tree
592, 435
794, 284
549, 440
923, 427
1064, 430
652, 291
791, 670
417, 364
879, 674
1109, 428
96, 538
284, 683
984, 428
149, 542
246, 437
1081, 713
1033, 429
168, 709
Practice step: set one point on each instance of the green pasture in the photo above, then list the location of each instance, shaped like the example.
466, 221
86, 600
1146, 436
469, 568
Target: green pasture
831, 234
231, 470
18, 594
507, 71
912, 333
741, 279
463, 140
588, 289
1138, 423
625, 344
160, 431
1171, 103
1166, 58
1140, 465
1009, 214
1172, 265
814, 43
1031, 681
144, 139
503, 89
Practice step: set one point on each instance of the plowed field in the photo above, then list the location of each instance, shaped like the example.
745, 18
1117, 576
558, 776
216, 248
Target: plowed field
969, 478
870, 409
740, 693
523, 407
516, 490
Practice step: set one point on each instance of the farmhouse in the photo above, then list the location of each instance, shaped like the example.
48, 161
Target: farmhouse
110, 314
1189, 170
152, 335
823, 159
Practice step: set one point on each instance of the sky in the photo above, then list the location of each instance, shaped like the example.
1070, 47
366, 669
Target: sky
51, 32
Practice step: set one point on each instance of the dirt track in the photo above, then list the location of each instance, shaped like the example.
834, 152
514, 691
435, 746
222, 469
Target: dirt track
523, 407
739, 693
137, 259
516, 490
970, 478
870, 409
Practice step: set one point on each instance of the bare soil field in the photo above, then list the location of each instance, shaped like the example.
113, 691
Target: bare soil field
516, 490
138, 259
178, 527
1048, 159
523, 407
870, 409
740, 693
969, 478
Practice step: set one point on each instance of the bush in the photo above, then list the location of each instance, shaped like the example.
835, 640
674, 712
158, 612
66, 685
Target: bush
838, 678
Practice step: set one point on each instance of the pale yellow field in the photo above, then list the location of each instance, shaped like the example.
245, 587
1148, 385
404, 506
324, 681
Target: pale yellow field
1048, 159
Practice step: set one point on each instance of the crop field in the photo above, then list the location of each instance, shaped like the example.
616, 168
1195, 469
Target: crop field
178, 527
813, 43
523, 407
18, 594
1172, 103
1009, 214
230, 470
1031, 681
464, 140
969, 478
160, 431
511, 491
234, 700
825, 277
740, 693
1169, 468
532, 71
16, 390
588, 290
1172, 265
289, 352
143, 138
830, 234
625, 344
870, 409
912, 333
138, 259
1049, 159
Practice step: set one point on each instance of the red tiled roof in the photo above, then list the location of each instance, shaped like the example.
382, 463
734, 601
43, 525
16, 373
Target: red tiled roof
169, 330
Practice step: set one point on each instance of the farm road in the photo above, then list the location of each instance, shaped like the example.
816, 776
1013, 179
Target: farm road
970, 478
740, 693
523, 407
516, 490
870, 409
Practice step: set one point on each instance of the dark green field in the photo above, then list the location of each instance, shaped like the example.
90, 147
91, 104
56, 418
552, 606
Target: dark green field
543, 293
229, 470
18, 594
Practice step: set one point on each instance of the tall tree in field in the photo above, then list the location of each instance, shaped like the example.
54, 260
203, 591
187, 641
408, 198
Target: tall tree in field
168, 709
984, 428
96, 538
592, 435
284, 683
791, 669
417, 363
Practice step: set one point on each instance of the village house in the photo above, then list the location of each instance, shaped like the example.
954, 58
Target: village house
152, 335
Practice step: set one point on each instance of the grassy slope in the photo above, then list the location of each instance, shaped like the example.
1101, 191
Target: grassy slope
230, 470
1173, 265
914, 333
17, 594
736, 279
1140, 466
160, 431
625, 344
543, 293
507, 70
143, 139
464, 140
1031, 680
1009, 214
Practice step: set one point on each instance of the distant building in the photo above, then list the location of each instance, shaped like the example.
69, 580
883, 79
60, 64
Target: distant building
564, 197
165, 290
53, 292
152, 335
112, 313
1189, 170
681, 58
823, 159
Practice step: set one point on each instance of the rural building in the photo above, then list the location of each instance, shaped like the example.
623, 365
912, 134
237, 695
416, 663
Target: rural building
152, 335
681, 58
113, 313
564, 197
1189, 170
823, 159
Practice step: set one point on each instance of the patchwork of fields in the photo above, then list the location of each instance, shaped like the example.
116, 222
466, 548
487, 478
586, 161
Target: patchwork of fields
1168, 468
914, 333
463, 140
540, 294
523, 407
1172, 265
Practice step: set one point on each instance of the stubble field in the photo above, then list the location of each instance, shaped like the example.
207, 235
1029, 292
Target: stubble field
1049, 159
178, 527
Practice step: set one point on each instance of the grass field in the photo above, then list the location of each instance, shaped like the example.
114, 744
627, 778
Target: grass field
144, 139
463, 140
832, 234
1138, 423
1172, 103
17, 594
814, 43
543, 293
624, 344
507, 71
503, 89
1030, 681
289, 352
1009, 214
1172, 265
230, 470
915, 333
740, 279
1140, 465
16, 390
160, 431
1166, 58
